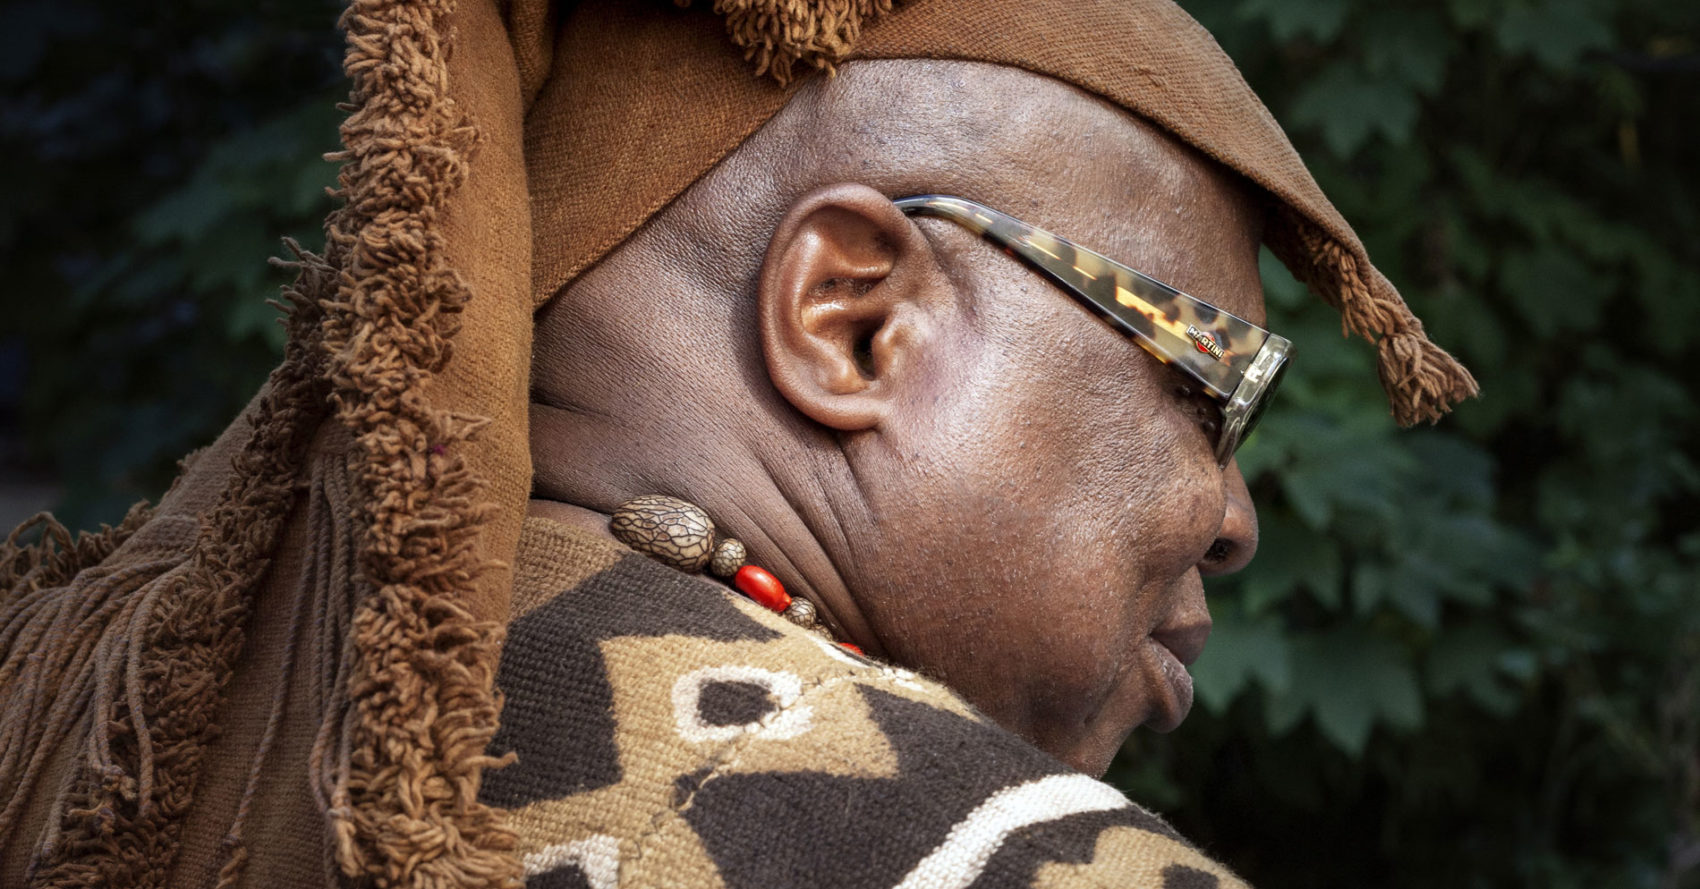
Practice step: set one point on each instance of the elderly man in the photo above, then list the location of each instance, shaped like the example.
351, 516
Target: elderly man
894, 351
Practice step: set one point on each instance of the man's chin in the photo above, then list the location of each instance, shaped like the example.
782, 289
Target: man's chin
1160, 703
1089, 760
1093, 752
1172, 692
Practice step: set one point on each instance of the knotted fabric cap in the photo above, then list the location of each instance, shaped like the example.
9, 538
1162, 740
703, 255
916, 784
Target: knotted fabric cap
619, 126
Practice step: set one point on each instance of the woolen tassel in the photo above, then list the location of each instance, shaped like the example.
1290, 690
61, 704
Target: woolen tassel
777, 34
1420, 378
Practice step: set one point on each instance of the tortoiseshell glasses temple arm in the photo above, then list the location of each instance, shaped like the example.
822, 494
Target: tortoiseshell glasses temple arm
1222, 351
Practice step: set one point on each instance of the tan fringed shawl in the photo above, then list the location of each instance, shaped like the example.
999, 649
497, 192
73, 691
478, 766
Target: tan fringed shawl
285, 669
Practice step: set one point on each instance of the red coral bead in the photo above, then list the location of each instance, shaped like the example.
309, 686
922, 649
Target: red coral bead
763, 587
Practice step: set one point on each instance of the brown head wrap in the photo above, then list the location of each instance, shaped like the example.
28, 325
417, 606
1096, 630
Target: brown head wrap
371, 497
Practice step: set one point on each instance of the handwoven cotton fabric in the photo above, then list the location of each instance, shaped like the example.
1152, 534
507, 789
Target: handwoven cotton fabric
285, 673
672, 733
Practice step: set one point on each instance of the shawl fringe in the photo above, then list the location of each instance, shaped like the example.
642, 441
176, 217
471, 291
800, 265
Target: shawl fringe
404, 809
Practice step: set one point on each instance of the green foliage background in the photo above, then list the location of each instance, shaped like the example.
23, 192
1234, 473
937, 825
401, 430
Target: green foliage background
1470, 655
1466, 655
151, 157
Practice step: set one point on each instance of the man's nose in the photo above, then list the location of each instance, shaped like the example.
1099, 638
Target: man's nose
1236, 542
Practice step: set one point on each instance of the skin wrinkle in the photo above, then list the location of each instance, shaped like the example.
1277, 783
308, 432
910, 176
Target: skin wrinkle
1019, 497
816, 520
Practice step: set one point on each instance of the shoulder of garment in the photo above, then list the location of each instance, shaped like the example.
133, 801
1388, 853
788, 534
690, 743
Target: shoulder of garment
670, 733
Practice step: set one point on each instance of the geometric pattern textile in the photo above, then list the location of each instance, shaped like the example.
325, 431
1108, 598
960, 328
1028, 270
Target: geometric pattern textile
669, 732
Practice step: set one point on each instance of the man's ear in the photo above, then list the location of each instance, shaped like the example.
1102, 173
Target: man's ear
844, 303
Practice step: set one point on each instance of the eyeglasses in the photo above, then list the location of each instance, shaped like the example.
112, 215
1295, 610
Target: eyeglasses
1238, 363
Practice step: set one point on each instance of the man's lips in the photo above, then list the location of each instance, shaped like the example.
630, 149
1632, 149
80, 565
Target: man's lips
1176, 648
1185, 643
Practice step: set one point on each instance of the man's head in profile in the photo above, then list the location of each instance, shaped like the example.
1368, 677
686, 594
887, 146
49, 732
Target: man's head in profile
968, 471
960, 462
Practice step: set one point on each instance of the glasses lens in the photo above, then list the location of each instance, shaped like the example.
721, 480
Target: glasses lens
1263, 399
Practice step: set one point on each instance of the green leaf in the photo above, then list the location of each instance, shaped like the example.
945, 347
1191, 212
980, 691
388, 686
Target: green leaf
255, 317
1290, 557
1349, 108
1520, 663
1407, 45
1239, 652
1668, 291
1556, 33
1468, 659
1552, 290
307, 188
1319, 20
1334, 468
1368, 586
1471, 14
185, 214
1453, 468
1349, 680
1280, 288
1414, 589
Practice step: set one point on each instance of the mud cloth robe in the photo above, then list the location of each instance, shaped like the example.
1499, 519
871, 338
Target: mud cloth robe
670, 732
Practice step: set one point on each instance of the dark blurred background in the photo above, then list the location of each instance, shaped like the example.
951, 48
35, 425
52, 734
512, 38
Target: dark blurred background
1466, 655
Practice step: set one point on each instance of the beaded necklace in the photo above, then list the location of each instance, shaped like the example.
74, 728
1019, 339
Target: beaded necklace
679, 534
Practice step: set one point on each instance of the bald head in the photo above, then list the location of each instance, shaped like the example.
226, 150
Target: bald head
906, 425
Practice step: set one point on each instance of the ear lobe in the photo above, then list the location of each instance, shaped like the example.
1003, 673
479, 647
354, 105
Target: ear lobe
843, 304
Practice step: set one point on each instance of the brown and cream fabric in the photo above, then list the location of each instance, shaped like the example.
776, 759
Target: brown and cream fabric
669, 732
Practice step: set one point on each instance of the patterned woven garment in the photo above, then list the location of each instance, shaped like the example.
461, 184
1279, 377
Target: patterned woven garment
672, 733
